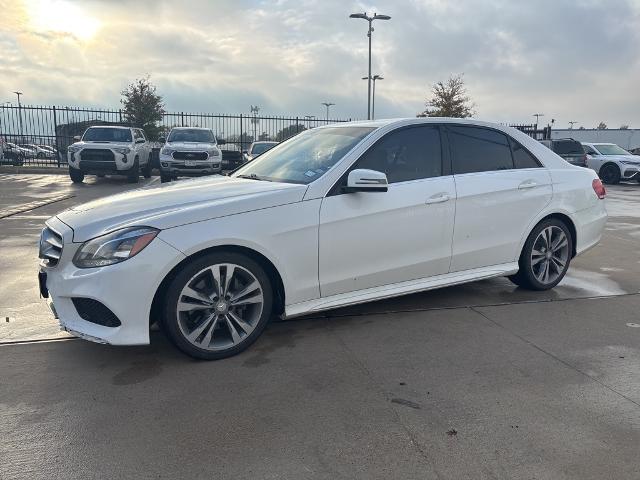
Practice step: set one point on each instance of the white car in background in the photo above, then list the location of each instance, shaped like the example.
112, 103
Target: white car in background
611, 162
257, 148
335, 216
189, 152
104, 150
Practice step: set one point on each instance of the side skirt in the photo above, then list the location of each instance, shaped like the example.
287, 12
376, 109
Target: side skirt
397, 289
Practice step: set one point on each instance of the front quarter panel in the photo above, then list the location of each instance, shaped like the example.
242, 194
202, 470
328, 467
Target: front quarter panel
287, 235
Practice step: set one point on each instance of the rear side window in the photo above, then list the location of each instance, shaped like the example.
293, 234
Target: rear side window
568, 147
521, 157
406, 154
477, 149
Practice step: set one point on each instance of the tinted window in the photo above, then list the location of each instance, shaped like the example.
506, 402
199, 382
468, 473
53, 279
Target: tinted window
522, 158
406, 154
103, 134
568, 147
479, 150
194, 135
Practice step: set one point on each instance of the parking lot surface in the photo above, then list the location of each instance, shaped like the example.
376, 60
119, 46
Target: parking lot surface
476, 381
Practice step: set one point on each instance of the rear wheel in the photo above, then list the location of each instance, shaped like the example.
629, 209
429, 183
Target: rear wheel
77, 176
217, 305
610, 174
545, 257
164, 178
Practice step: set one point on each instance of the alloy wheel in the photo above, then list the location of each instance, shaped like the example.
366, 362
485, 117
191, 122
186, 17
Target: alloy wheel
220, 306
550, 254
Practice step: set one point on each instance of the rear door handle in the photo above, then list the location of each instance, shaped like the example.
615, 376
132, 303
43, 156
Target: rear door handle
438, 198
527, 184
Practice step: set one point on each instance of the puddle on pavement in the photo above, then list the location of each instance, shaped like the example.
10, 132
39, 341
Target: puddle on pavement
591, 283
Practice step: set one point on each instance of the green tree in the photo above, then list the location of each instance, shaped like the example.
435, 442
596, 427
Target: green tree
449, 99
290, 131
143, 107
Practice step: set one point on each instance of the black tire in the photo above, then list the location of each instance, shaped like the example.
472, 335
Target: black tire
170, 321
146, 170
134, 174
77, 176
610, 173
526, 277
18, 161
40, 155
164, 178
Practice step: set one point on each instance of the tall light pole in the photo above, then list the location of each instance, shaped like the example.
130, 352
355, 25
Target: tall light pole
308, 118
327, 104
19, 113
373, 96
571, 124
537, 115
369, 19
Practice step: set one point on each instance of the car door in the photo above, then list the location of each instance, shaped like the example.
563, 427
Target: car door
501, 187
370, 239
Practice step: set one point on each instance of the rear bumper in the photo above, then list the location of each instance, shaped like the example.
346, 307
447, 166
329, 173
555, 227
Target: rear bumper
589, 225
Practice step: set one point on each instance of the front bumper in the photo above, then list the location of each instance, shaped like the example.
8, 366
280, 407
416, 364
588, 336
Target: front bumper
169, 166
127, 289
120, 165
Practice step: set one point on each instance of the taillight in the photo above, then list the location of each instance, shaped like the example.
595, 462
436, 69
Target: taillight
584, 160
598, 188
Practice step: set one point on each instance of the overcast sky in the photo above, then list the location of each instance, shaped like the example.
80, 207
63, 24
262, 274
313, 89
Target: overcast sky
572, 60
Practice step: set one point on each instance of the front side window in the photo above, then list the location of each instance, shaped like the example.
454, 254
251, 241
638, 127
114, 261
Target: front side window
476, 149
102, 134
305, 157
611, 149
406, 154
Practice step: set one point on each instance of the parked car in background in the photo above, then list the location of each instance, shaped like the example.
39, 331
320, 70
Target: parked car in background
611, 162
189, 152
232, 157
635, 151
569, 149
256, 148
37, 151
12, 154
110, 150
337, 215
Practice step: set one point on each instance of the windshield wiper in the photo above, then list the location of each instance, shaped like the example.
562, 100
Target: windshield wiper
253, 176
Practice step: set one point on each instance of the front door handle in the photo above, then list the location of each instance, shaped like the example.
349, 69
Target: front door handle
439, 198
527, 184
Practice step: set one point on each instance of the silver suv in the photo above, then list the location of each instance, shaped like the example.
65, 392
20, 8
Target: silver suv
189, 152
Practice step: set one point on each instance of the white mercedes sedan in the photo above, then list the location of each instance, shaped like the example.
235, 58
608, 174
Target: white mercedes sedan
335, 216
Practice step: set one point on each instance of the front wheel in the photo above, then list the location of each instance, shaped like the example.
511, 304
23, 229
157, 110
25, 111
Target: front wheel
76, 175
146, 170
165, 178
134, 174
545, 256
610, 174
217, 305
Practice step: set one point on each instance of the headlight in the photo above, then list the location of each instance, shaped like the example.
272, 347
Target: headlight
167, 151
73, 149
629, 162
214, 153
122, 150
114, 247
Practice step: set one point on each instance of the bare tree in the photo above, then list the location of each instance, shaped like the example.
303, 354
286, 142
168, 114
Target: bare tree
602, 126
449, 99
624, 127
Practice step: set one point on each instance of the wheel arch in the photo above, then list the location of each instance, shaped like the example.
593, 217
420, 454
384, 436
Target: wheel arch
262, 260
564, 218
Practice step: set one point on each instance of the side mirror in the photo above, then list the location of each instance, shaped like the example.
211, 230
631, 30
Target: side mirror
140, 140
77, 138
162, 140
364, 180
222, 142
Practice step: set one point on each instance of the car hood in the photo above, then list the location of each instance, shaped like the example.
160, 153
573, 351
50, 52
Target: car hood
191, 146
102, 144
173, 204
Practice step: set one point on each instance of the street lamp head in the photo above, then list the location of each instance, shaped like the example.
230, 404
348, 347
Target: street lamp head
359, 15
378, 77
365, 78
381, 17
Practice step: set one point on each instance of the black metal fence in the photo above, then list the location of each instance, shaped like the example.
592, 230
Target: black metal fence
40, 135
532, 130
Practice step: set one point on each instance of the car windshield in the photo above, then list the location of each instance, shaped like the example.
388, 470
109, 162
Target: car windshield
610, 149
101, 134
191, 135
259, 148
305, 157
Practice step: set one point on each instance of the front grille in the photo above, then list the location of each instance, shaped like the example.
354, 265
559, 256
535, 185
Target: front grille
190, 155
95, 312
97, 155
50, 247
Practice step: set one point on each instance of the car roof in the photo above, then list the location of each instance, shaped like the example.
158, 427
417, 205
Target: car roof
190, 128
109, 126
416, 121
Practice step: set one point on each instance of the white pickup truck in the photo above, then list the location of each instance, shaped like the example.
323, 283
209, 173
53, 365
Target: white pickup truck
189, 152
113, 150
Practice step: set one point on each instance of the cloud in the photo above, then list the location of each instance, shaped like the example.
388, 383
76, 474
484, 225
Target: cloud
574, 60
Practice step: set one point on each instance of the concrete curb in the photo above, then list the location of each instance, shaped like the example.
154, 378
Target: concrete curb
38, 170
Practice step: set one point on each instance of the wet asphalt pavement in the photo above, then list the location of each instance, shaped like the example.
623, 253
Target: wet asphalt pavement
476, 381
